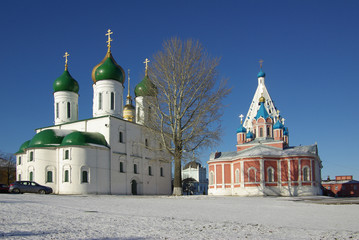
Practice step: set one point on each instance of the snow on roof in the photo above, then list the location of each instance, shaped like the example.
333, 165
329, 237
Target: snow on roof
263, 150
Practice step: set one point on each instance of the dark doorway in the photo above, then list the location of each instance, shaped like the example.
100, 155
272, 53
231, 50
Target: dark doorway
134, 187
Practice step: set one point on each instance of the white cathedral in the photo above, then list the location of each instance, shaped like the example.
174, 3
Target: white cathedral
110, 153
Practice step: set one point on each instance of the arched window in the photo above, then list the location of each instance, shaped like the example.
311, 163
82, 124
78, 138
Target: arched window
68, 110
121, 167
66, 176
135, 168
99, 101
252, 172
149, 170
49, 177
84, 176
237, 176
149, 114
120, 137
19, 177
211, 178
306, 174
112, 100
270, 174
146, 142
260, 132
19, 160
268, 131
31, 156
31, 176
67, 154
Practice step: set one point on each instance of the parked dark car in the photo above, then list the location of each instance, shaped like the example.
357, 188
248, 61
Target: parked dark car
4, 188
28, 187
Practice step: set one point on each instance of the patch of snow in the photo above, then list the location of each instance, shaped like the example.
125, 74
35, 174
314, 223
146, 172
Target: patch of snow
32, 216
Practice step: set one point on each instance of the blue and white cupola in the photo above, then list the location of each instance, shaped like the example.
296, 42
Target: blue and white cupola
241, 132
66, 97
108, 78
278, 128
263, 122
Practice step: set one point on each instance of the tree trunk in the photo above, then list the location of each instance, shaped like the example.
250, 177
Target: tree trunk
177, 181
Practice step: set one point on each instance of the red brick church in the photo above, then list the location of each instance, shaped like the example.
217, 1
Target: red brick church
265, 163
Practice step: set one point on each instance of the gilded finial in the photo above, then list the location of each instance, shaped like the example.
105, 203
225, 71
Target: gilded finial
146, 67
128, 78
109, 39
262, 99
241, 117
65, 56
261, 63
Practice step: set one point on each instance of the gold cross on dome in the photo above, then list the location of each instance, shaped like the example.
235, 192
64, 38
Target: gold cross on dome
261, 63
109, 39
65, 56
146, 62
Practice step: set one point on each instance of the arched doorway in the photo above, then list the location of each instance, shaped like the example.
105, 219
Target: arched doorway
134, 187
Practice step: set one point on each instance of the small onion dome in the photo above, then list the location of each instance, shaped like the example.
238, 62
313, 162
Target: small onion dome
66, 83
241, 129
278, 125
249, 135
46, 138
286, 132
192, 164
108, 69
23, 147
84, 139
146, 88
262, 99
261, 74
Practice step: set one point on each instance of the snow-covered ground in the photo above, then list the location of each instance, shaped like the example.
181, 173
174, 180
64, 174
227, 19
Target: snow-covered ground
32, 216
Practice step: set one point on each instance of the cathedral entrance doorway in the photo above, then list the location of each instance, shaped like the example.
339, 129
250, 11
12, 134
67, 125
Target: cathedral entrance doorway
134, 187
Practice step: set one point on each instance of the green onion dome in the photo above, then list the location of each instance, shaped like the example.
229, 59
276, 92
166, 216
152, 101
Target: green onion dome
108, 69
146, 88
84, 139
23, 147
66, 83
47, 138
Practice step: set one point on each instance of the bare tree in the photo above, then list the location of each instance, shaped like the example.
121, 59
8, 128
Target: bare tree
188, 105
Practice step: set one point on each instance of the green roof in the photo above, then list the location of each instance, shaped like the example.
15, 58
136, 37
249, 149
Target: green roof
66, 83
84, 139
47, 138
23, 147
108, 69
146, 88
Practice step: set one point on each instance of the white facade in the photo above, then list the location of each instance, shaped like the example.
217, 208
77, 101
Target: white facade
194, 170
107, 98
65, 107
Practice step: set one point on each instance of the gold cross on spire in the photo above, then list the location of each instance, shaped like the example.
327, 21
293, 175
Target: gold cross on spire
109, 39
241, 117
261, 63
146, 62
65, 56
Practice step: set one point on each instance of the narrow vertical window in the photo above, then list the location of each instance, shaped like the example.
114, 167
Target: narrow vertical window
306, 177
19, 177
134, 168
84, 176
68, 110
121, 167
112, 101
99, 101
138, 115
120, 137
149, 114
270, 173
19, 160
237, 176
31, 156
149, 170
146, 142
161, 171
57, 110
49, 176
67, 154
260, 132
66, 177
31, 176
268, 132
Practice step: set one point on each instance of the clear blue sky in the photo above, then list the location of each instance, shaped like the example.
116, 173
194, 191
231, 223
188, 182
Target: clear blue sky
310, 51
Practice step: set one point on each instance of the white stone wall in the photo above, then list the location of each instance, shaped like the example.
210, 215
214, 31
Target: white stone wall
106, 87
61, 100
